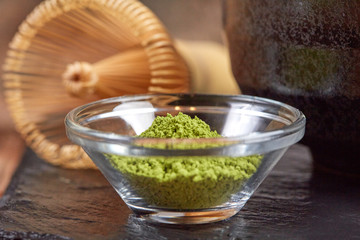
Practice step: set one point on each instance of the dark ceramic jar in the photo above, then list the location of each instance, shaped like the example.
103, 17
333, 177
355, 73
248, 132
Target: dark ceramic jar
304, 53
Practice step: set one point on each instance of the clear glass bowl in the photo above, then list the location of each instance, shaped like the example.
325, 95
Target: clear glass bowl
185, 181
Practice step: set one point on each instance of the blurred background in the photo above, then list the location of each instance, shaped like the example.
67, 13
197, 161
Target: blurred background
187, 20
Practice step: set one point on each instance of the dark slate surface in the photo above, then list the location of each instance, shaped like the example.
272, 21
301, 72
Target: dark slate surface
294, 202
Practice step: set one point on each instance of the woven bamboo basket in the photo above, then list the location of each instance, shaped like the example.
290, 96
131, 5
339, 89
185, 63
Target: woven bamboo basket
70, 52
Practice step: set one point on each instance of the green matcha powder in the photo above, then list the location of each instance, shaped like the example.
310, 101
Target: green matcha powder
185, 182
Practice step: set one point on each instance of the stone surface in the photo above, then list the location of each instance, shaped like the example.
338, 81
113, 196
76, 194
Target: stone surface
294, 202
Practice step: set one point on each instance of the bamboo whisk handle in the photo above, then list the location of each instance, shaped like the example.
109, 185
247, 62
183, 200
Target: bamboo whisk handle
80, 79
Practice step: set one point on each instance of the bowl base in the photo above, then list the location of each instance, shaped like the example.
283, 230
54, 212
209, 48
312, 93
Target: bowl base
186, 217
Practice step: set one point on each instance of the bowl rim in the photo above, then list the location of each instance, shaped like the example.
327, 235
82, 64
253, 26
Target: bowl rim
82, 135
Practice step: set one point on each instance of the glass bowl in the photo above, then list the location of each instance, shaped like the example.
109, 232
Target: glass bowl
185, 181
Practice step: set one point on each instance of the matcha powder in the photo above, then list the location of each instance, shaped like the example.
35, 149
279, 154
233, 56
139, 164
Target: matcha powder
184, 182
180, 126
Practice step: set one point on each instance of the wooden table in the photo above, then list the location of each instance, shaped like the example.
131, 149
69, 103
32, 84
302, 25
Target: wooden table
294, 202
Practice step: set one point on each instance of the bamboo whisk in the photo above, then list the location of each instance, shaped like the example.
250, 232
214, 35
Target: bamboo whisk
69, 52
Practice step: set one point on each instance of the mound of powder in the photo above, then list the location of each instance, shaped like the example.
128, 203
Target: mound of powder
193, 182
